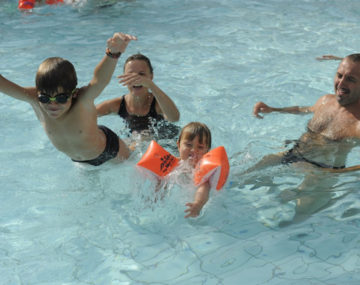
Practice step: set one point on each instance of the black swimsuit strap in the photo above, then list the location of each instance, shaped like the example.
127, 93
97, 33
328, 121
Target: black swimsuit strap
152, 111
123, 112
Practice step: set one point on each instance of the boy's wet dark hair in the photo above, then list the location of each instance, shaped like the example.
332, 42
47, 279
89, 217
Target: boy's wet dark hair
53, 73
139, 56
193, 129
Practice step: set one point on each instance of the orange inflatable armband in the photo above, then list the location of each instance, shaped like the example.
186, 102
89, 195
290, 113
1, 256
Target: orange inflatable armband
51, 2
213, 167
26, 4
30, 4
156, 162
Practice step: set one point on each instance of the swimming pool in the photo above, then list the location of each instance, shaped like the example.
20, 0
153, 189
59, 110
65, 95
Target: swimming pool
61, 223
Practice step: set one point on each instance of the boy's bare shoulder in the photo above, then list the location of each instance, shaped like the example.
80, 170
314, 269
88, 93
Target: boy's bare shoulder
80, 94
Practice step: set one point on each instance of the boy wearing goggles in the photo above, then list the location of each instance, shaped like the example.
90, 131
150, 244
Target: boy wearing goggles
67, 113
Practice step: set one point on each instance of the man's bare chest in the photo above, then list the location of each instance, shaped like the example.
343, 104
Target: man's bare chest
335, 126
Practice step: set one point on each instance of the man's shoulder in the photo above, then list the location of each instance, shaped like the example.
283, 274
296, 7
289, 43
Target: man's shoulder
327, 99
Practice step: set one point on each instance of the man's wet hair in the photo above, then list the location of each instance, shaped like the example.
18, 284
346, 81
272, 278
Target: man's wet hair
139, 56
354, 57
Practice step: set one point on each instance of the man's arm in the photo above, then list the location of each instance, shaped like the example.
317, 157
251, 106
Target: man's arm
261, 107
342, 170
105, 69
27, 94
329, 57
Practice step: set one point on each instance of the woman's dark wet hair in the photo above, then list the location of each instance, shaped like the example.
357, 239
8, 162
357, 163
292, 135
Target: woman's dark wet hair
193, 129
139, 56
53, 73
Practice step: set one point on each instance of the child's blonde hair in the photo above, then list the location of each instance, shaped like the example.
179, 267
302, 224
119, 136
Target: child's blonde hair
193, 129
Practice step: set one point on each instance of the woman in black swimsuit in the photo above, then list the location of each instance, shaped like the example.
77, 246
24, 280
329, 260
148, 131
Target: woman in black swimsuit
145, 104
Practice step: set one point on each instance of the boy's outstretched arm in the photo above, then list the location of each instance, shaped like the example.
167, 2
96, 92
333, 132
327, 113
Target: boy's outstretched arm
200, 198
27, 94
105, 69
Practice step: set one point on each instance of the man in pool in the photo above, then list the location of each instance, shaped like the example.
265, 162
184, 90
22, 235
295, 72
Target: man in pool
334, 128
67, 113
331, 134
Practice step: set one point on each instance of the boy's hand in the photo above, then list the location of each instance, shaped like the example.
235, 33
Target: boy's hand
193, 210
119, 42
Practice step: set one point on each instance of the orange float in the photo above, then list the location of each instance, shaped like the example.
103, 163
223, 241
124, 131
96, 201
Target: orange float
30, 4
51, 2
26, 4
213, 167
156, 162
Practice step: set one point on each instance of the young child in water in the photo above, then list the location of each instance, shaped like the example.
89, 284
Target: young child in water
193, 143
145, 101
67, 113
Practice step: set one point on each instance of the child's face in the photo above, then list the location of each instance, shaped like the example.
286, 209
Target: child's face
140, 68
192, 150
53, 108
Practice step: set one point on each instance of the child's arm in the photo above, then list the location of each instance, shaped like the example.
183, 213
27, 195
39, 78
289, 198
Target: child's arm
200, 199
105, 69
27, 94
167, 106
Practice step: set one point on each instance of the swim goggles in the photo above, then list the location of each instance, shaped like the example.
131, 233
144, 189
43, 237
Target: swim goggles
60, 98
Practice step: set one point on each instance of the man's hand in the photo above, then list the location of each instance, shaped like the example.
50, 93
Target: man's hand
261, 107
119, 42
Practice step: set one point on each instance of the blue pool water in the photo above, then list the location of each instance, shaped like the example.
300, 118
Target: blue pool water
61, 223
